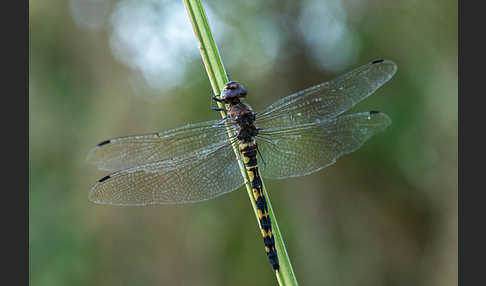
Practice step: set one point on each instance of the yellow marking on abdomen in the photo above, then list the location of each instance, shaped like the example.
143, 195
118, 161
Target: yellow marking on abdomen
251, 176
265, 223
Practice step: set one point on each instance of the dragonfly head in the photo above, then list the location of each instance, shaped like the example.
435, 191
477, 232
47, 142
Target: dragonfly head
232, 92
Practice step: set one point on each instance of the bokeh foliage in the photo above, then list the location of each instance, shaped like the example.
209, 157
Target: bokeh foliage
384, 215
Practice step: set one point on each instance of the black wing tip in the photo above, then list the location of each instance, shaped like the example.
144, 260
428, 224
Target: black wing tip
103, 179
103, 143
91, 153
375, 114
385, 65
383, 62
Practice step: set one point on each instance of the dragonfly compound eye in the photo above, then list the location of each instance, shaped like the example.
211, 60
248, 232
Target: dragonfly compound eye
232, 91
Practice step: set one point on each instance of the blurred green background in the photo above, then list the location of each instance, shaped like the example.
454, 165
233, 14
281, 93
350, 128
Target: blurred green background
384, 215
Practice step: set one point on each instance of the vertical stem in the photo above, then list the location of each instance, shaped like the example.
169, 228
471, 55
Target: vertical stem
218, 77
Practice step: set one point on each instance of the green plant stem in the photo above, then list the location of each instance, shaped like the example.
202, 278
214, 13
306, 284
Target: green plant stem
218, 77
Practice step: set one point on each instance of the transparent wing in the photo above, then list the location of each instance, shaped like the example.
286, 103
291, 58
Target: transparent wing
191, 179
329, 99
304, 149
131, 151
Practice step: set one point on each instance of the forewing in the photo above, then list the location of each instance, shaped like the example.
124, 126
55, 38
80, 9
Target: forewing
173, 144
329, 99
305, 149
197, 178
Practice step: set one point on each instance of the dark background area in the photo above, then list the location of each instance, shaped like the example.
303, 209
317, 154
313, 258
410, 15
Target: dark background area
384, 215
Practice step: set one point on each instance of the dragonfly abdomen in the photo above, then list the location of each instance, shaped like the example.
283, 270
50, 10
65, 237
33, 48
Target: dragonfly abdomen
249, 154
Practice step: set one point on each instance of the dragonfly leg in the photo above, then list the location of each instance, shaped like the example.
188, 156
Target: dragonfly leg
215, 98
219, 109
263, 160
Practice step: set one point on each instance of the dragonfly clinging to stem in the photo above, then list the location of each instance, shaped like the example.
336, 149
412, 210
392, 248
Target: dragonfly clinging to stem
297, 135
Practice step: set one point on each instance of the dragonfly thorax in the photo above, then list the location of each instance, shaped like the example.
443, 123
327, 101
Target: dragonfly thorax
244, 117
247, 133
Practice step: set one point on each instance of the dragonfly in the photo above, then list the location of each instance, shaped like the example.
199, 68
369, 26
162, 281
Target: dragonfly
297, 135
